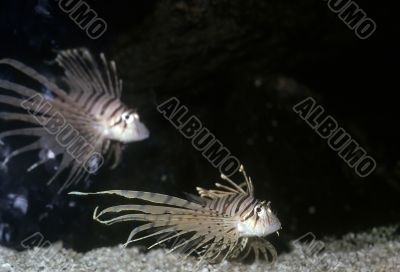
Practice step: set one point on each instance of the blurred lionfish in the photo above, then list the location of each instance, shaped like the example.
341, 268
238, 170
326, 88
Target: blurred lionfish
225, 224
88, 112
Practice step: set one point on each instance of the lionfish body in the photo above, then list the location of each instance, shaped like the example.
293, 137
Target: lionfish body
81, 123
218, 224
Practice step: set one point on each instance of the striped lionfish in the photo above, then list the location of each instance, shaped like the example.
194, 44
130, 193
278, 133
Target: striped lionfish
223, 224
80, 123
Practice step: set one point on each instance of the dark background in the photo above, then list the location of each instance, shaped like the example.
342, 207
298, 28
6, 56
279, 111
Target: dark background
239, 66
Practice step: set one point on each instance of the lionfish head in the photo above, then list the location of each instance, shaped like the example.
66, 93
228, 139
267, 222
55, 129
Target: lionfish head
126, 127
261, 221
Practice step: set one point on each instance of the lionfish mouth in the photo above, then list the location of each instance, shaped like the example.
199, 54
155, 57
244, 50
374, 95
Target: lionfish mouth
274, 228
142, 132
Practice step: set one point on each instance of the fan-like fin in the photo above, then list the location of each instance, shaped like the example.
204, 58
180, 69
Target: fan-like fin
23, 117
256, 245
36, 131
80, 66
147, 196
150, 209
36, 76
19, 89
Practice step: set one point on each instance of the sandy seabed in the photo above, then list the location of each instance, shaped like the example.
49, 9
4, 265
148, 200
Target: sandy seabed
377, 250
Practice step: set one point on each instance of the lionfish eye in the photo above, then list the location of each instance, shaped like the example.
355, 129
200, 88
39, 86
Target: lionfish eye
258, 210
128, 117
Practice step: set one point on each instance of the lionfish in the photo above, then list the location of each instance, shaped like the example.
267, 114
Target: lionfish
82, 124
228, 223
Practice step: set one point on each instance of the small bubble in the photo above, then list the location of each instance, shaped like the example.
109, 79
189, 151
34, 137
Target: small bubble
4, 151
250, 141
50, 154
258, 82
312, 210
5, 233
46, 154
93, 164
48, 95
19, 202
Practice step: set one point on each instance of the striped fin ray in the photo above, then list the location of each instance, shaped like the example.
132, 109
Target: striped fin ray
16, 88
81, 67
169, 218
168, 229
38, 117
112, 77
34, 100
175, 224
38, 131
147, 196
225, 190
77, 172
65, 163
257, 246
33, 75
152, 209
203, 231
23, 117
78, 77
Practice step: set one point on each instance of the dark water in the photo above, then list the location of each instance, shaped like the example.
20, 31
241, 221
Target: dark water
240, 67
